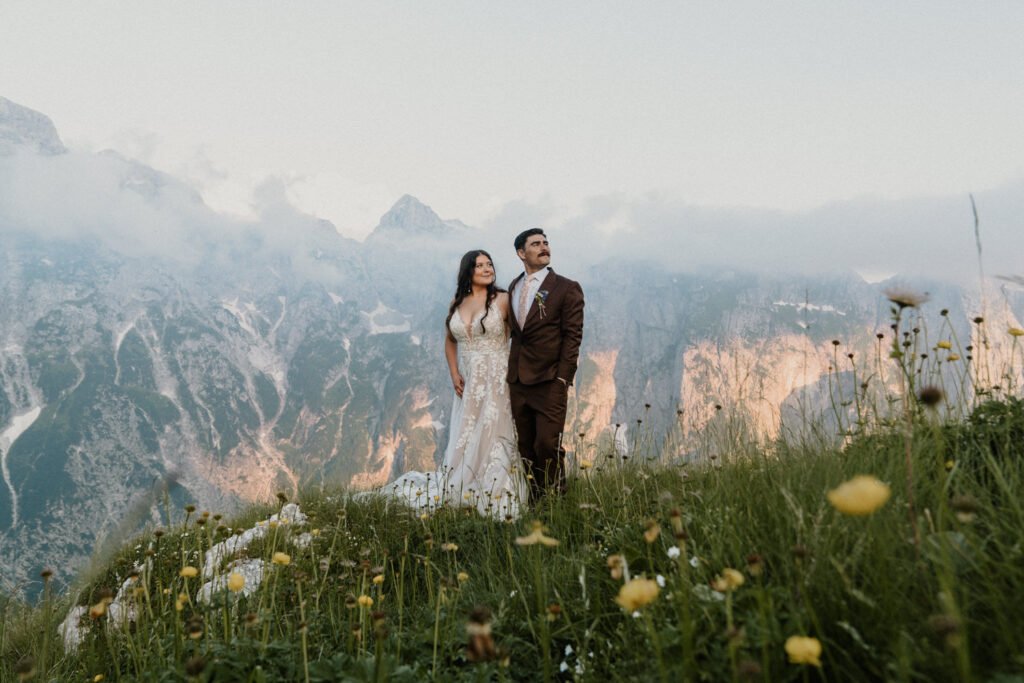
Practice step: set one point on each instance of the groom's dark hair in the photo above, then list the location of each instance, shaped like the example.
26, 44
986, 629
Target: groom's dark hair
520, 242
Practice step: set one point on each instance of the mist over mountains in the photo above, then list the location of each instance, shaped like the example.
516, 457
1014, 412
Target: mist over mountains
143, 335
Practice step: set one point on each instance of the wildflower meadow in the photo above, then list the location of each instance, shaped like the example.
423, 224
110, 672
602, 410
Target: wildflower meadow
889, 550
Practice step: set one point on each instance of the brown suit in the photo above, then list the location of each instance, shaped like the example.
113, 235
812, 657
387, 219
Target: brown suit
546, 348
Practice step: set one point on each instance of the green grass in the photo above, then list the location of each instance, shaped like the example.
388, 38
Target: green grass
882, 607
739, 550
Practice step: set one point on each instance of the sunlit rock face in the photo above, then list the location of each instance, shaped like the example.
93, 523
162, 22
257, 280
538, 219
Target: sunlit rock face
144, 338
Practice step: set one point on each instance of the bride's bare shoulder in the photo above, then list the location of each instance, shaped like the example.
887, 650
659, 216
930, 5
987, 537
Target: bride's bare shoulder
502, 301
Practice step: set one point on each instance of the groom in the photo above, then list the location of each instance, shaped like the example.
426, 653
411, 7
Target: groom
547, 327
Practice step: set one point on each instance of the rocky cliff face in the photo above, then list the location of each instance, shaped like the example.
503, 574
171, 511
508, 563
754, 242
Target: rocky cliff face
22, 128
114, 374
143, 338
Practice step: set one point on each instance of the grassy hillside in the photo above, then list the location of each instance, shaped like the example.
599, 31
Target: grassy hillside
383, 593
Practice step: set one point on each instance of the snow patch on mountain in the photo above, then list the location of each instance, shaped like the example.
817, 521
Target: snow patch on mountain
8, 436
803, 306
232, 307
384, 320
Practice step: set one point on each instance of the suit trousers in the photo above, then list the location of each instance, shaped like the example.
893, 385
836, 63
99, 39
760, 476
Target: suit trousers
539, 413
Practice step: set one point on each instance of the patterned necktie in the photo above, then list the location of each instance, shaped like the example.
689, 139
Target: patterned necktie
523, 301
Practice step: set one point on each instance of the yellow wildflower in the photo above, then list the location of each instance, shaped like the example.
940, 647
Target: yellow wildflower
536, 536
379, 579
734, 577
949, 464
615, 565
860, 496
467, 496
952, 357
729, 580
637, 593
315, 532
188, 572
97, 678
281, 558
423, 516
802, 650
449, 547
179, 603
98, 610
944, 344
651, 531
236, 581
365, 601
1016, 332
463, 576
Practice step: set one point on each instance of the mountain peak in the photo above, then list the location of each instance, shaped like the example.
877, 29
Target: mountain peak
412, 217
409, 213
21, 127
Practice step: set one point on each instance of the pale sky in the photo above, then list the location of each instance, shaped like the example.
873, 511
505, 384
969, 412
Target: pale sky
479, 108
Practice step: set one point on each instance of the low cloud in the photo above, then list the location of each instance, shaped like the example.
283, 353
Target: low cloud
141, 212
926, 237
125, 205
133, 210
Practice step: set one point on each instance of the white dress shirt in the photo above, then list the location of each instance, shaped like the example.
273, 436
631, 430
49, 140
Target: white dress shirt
533, 281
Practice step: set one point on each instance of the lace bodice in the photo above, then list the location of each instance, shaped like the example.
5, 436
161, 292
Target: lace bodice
473, 341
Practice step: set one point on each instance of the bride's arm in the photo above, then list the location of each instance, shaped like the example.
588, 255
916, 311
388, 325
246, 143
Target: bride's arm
451, 353
502, 303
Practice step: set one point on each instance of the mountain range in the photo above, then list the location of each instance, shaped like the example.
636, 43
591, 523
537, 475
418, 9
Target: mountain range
144, 338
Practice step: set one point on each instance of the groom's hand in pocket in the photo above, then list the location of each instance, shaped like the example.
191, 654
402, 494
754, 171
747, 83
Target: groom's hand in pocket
459, 384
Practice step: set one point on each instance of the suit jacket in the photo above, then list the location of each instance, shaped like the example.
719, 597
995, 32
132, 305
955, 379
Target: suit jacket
548, 344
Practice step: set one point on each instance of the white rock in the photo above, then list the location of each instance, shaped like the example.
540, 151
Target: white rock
290, 514
71, 630
252, 570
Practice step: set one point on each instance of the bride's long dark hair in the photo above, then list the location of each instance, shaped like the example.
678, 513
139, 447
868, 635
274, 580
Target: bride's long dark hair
464, 286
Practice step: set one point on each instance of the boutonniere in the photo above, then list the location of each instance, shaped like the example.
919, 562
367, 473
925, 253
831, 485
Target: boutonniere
540, 297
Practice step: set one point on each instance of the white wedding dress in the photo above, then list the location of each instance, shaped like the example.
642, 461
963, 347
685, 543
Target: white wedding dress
481, 466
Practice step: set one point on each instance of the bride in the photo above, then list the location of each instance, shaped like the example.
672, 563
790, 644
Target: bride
481, 466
